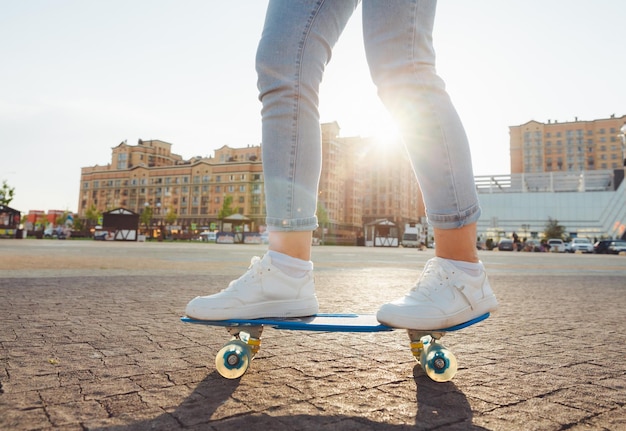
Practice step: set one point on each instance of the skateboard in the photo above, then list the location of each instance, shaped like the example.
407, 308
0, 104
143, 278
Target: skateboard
234, 358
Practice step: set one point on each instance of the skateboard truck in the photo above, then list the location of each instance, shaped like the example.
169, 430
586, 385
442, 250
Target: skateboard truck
234, 358
436, 360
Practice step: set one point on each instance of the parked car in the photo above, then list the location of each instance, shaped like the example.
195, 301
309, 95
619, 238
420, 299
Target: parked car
100, 235
609, 246
208, 236
556, 245
58, 232
506, 244
580, 244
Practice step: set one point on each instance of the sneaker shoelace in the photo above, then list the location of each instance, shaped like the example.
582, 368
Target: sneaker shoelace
424, 287
255, 270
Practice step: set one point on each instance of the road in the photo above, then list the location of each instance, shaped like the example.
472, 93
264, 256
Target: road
90, 338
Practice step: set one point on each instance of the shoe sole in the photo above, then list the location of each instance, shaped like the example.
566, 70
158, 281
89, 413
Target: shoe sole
394, 320
281, 309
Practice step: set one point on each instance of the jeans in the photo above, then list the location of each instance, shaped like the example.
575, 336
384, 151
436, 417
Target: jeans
296, 45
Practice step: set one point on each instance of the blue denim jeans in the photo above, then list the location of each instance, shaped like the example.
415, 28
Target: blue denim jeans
295, 47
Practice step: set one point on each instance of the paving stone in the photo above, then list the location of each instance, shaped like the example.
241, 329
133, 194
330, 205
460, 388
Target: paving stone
101, 347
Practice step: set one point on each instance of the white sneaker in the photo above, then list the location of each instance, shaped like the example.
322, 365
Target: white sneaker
263, 291
444, 296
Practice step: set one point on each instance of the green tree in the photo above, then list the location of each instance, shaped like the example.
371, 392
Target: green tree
322, 220
553, 229
60, 220
78, 225
93, 215
6, 193
322, 215
171, 216
41, 222
227, 208
146, 216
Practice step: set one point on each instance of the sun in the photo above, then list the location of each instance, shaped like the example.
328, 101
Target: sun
385, 128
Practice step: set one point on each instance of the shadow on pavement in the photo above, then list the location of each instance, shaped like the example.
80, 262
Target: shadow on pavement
439, 406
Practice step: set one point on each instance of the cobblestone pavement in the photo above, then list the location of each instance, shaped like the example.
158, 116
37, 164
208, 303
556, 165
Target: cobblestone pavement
90, 338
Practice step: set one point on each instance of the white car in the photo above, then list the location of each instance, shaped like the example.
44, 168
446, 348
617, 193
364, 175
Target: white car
582, 245
208, 236
556, 245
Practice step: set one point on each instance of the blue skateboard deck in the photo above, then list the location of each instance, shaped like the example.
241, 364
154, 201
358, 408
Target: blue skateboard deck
323, 322
233, 360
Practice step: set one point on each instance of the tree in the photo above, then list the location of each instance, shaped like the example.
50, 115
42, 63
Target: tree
93, 215
322, 220
78, 225
171, 216
553, 229
146, 216
60, 220
41, 222
227, 208
6, 193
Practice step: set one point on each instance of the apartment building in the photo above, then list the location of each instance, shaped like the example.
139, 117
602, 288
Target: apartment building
392, 191
361, 181
150, 175
567, 146
364, 180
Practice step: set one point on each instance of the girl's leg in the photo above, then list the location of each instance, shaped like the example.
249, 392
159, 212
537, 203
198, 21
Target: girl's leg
453, 287
398, 42
294, 50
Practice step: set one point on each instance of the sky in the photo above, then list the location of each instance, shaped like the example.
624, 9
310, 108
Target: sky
77, 77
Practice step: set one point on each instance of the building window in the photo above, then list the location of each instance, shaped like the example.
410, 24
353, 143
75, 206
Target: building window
122, 161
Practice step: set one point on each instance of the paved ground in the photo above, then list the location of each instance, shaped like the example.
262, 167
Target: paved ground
90, 338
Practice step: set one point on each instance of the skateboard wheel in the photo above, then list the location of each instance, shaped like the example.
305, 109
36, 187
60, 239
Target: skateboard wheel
439, 363
233, 359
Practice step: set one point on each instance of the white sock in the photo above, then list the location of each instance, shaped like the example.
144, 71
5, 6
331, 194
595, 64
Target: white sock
292, 266
471, 268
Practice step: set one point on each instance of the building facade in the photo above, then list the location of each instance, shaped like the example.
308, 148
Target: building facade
360, 182
364, 180
571, 172
570, 146
189, 192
